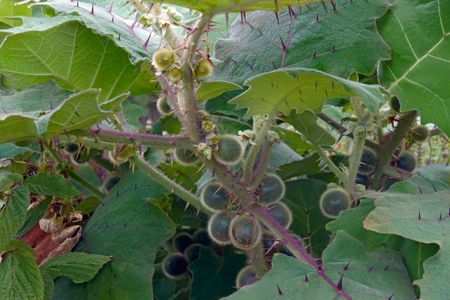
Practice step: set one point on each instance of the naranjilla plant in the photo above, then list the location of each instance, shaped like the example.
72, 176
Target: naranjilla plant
245, 149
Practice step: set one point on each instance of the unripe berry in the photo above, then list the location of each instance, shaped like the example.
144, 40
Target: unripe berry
201, 237
192, 252
181, 241
214, 196
271, 190
245, 232
363, 180
229, 150
407, 161
203, 69
333, 201
163, 59
246, 276
368, 162
218, 228
185, 157
282, 214
174, 74
174, 265
163, 106
420, 133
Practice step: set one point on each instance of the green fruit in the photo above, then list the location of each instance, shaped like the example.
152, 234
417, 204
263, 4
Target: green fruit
175, 74
214, 196
271, 190
218, 228
368, 162
163, 59
111, 181
282, 214
163, 106
420, 133
395, 104
174, 265
201, 237
71, 147
185, 157
203, 69
333, 201
407, 161
181, 241
192, 252
229, 150
245, 232
246, 276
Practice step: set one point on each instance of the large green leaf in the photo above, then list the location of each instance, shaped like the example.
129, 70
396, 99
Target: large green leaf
129, 228
418, 32
32, 102
340, 42
51, 185
75, 57
12, 215
212, 89
306, 124
101, 20
215, 271
423, 218
78, 266
366, 275
223, 6
16, 128
301, 89
10, 8
20, 278
302, 197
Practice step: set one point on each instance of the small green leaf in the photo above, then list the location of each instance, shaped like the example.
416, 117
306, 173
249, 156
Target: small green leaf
419, 34
306, 124
79, 111
370, 275
51, 185
422, 218
78, 266
20, 278
301, 89
212, 89
12, 215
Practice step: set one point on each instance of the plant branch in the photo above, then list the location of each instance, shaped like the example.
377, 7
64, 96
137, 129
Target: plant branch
294, 246
343, 130
121, 137
258, 260
355, 158
385, 154
165, 181
339, 174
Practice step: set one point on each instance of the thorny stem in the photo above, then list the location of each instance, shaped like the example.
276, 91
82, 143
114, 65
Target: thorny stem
386, 152
190, 100
343, 130
165, 181
294, 246
122, 137
92, 189
262, 164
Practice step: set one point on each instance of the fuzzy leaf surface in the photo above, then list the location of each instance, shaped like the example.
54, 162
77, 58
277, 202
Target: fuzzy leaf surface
339, 43
52, 185
12, 215
129, 228
20, 278
418, 31
212, 89
301, 89
399, 214
366, 278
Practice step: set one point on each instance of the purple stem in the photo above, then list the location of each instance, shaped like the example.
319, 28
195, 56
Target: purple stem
293, 244
143, 138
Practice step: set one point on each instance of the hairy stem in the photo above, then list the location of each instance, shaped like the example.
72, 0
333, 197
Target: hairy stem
355, 159
122, 137
385, 154
263, 163
165, 181
258, 260
189, 96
